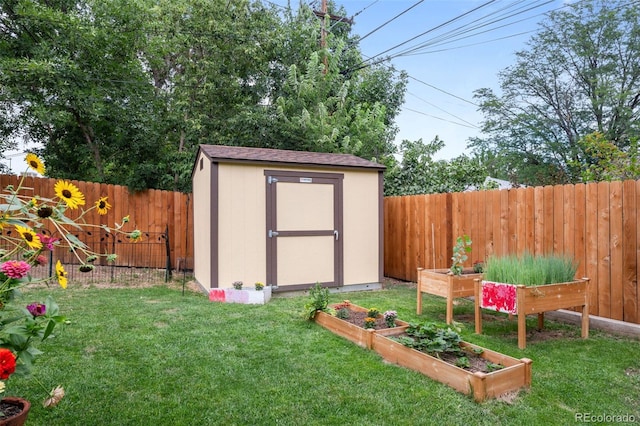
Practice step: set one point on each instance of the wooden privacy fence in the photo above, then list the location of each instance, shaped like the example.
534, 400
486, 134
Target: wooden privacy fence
596, 223
164, 217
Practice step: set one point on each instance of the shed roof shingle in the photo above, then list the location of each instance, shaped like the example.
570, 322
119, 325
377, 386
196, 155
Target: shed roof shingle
222, 153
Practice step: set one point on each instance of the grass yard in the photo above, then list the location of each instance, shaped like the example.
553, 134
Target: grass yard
153, 356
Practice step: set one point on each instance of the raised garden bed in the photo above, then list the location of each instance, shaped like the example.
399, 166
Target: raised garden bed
355, 332
513, 375
443, 283
523, 300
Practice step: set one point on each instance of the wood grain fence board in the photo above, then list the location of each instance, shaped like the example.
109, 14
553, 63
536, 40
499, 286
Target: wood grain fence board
498, 246
512, 221
615, 248
569, 215
412, 236
629, 252
539, 225
422, 231
488, 217
558, 219
604, 254
548, 220
591, 254
521, 224
530, 219
579, 241
504, 221
479, 249
637, 280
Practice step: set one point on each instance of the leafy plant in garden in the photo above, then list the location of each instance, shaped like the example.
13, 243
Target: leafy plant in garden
319, 300
373, 312
460, 250
390, 318
430, 338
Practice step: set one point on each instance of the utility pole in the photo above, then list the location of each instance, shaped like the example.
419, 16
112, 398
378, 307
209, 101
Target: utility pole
322, 14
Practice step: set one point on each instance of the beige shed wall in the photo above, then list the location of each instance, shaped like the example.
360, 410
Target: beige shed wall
202, 221
242, 225
361, 228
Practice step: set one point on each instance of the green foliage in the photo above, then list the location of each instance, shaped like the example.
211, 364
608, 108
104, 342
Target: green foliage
605, 161
419, 173
576, 77
430, 338
530, 270
460, 251
124, 92
319, 301
373, 312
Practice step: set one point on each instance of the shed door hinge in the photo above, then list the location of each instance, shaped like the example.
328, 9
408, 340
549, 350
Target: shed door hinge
271, 179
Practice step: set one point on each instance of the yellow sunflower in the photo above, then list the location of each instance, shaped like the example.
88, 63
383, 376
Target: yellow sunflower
102, 205
69, 193
61, 275
35, 163
30, 237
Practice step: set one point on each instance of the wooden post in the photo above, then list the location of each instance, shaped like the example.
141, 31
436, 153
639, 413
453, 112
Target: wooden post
522, 317
419, 296
585, 312
478, 311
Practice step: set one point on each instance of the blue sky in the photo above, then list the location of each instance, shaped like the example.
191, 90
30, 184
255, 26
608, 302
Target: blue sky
456, 67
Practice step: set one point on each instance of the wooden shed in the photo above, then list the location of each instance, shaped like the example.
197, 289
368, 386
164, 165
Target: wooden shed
288, 219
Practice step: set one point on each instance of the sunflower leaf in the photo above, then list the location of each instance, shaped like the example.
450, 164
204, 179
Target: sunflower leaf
75, 241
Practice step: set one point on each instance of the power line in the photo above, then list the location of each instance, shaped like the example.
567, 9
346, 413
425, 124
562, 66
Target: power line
434, 28
464, 31
390, 20
439, 118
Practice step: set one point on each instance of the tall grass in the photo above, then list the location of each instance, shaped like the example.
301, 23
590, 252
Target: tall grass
530, 270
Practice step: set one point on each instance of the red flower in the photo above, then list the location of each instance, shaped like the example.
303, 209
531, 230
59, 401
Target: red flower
7, 363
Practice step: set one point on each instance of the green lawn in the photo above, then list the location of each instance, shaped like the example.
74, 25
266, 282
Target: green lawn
154, 356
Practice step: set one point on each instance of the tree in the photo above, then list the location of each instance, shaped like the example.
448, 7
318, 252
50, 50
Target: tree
579, 75
71, 80
123, 92
419, 173
606, 161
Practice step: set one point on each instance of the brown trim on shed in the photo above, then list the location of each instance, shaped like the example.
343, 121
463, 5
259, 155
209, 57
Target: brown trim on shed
381, 226
215, 231
334, 179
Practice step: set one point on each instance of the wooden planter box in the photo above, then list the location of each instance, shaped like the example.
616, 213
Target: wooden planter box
441, 282
523, 300
515, 375
358, 335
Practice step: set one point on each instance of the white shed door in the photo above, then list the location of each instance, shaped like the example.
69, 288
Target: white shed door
304, 229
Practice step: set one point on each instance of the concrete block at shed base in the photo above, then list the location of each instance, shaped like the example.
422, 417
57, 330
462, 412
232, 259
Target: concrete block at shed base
231, 295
